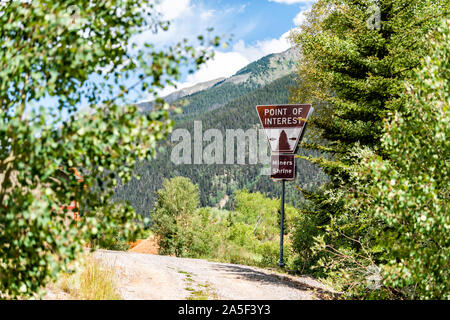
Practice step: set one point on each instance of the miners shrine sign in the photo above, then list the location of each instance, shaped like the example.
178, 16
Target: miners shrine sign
282, 166
284, 126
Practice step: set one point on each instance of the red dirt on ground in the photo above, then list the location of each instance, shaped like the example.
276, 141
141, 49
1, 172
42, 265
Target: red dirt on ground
149, 246
134, 244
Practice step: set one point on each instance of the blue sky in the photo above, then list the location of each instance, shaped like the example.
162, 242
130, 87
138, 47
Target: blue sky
258, 27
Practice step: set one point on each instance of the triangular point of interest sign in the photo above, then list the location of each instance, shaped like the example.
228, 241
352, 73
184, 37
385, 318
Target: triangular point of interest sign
284, 125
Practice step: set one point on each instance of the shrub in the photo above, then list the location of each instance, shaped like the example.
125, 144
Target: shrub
176, 202
409, 191
306, 228
270, 253
92, 280
48, 65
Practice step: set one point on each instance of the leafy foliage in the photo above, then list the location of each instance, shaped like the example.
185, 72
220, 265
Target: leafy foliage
355, 75
247, 235
72, 53
92, 280
176, 202
409, 191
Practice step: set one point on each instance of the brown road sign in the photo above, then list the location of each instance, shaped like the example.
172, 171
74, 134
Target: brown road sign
284, 125
282, 167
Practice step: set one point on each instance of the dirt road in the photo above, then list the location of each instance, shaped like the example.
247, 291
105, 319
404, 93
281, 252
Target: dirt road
146, 276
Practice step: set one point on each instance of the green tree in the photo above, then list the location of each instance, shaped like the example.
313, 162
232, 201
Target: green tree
176, 202
409, 191
353, 70
72, 53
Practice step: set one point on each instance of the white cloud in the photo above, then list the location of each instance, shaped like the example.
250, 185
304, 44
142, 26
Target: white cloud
172, 9
206, 15
225, 64
292, 1
191, 19
187, 20
300, 18
262, 48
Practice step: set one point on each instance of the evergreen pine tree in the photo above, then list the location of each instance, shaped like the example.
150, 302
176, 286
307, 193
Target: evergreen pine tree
353, 71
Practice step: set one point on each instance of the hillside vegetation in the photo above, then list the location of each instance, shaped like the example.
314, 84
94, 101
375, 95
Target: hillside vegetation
380, 224
225, 106
248, 234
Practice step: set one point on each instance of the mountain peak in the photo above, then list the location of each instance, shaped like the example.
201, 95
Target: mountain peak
255, 74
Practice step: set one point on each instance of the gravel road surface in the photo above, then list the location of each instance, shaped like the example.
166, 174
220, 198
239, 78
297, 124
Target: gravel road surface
147, 276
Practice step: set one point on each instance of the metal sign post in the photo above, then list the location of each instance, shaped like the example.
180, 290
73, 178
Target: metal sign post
284, 126
281, 262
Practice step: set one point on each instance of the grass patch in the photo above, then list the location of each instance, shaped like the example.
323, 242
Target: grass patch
92, 280
198, 291
205, 292
184, 272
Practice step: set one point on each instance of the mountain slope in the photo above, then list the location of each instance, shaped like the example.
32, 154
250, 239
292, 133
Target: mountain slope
147, 106
228, 104
216, 93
